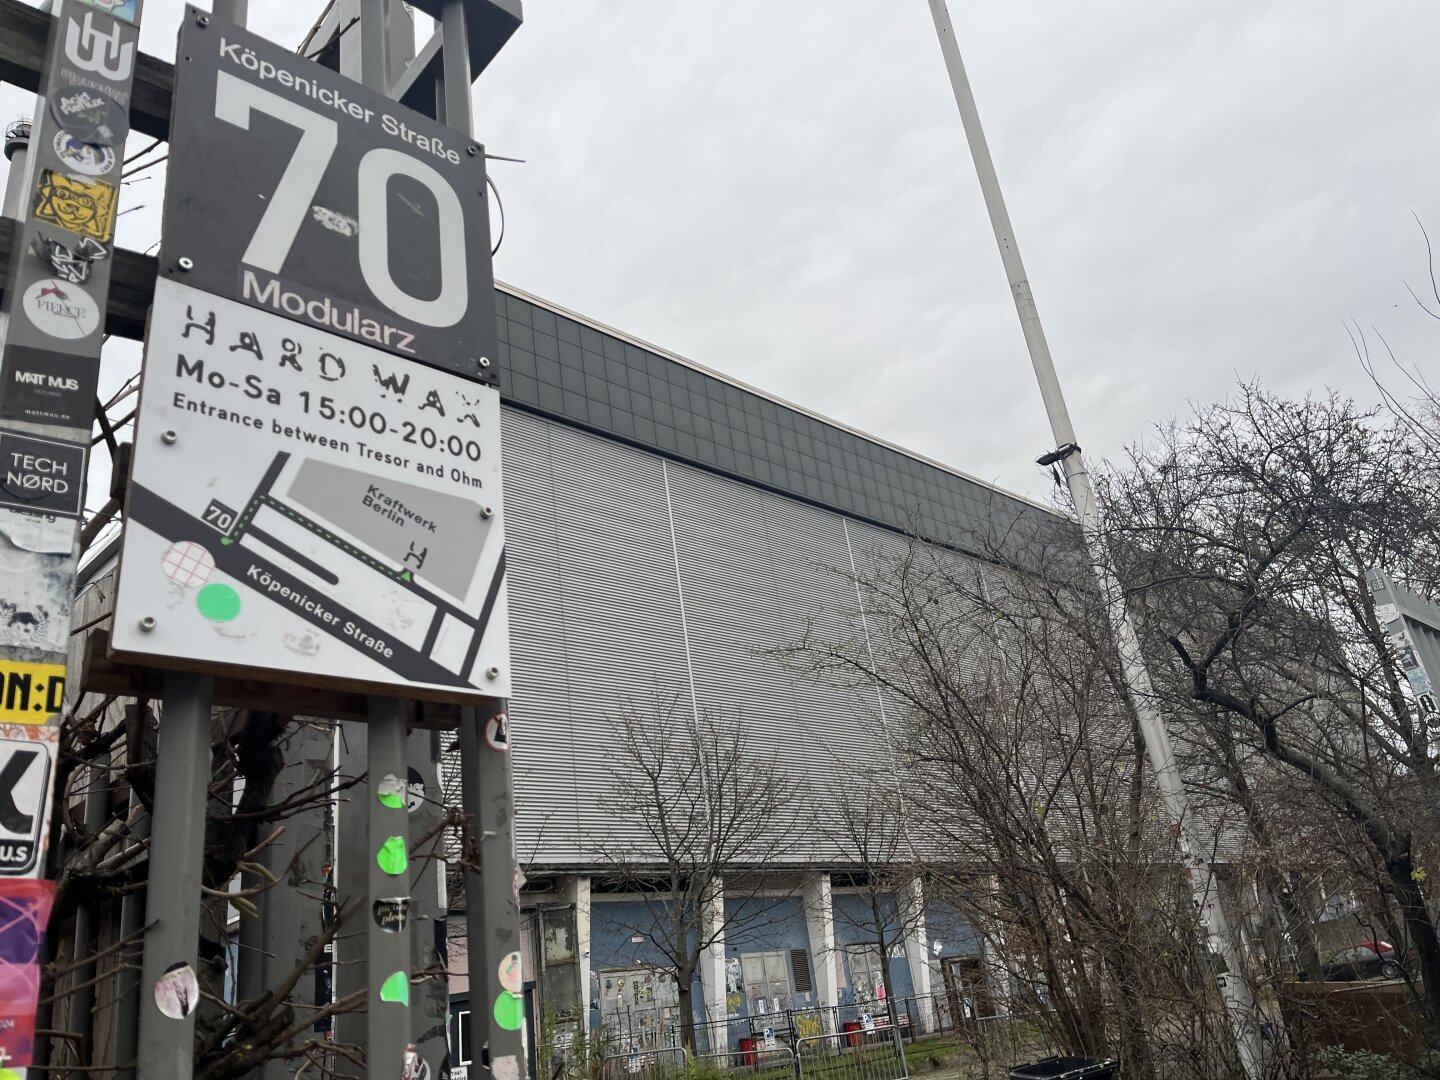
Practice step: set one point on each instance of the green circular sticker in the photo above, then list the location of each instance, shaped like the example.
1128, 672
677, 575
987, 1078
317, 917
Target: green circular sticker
396, 988
218, 603
509, 1013
391, 857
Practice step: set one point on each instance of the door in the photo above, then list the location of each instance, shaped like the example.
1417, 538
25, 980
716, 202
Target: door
967, 988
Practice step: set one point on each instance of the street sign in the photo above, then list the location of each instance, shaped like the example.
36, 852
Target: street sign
306, 506
295, 190
27, 758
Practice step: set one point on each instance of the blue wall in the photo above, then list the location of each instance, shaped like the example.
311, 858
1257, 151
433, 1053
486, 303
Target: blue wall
855, 925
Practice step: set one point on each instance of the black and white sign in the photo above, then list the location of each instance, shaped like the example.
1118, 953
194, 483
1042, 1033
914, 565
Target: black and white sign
46, 387
300, 192
25, 766
44, 475
304, 504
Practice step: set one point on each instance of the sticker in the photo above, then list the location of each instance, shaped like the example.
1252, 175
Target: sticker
396, 988
188, 563
391, 857
25, 768
497, 732
48, 387
41, 474
391, 791
218, 602
85, 207
44, 534
177, 992
89, 115
415, 791
33, 692
69, 262
80, 157
509, 1012
24, 911
415, 1067
510, 977
100, 50
121, 9
335, 221
391, 913
62, 310
506, 1067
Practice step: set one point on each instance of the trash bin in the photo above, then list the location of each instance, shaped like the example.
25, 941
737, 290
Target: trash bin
747, 1051
1067, 1068
854, 1032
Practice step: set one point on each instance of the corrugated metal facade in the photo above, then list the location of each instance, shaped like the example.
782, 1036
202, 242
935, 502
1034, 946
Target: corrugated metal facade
596, 609
667, 529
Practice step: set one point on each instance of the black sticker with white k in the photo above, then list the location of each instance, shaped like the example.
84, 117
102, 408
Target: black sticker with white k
24, 789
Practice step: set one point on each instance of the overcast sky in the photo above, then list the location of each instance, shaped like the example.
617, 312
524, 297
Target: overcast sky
780, 190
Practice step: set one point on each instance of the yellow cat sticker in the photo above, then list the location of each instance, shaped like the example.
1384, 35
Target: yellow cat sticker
84, 207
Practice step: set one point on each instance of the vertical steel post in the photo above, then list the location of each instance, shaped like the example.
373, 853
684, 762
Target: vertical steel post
352, 883
492, 902
1235, 990
291, 910
387, 1025
177, 850
430, 1002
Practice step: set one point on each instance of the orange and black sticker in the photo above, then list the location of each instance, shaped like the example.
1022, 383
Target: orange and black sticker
30, 693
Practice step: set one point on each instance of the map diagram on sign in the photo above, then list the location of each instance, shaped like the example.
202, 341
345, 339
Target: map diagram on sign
309, 505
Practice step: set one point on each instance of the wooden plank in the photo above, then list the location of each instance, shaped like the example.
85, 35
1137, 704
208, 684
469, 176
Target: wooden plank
24, 31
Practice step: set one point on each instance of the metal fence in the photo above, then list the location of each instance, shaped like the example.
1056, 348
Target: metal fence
852, 1055
665, 1063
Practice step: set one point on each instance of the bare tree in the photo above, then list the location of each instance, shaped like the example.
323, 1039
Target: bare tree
709, 809
864, 822
1245, 536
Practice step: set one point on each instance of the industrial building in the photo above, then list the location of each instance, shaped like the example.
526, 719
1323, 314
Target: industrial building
666, 527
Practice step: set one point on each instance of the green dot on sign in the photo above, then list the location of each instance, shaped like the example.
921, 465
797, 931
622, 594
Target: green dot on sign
9, 1074
396, 988
508, 1011
391, 857
218, 603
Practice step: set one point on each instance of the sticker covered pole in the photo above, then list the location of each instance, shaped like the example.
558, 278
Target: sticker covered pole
387, 1023
492, 890
65, 189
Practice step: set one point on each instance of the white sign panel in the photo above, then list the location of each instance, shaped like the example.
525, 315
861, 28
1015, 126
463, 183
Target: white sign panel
305, 504
27, 759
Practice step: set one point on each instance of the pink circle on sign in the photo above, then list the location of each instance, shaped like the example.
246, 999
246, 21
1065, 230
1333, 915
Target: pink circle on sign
188, 563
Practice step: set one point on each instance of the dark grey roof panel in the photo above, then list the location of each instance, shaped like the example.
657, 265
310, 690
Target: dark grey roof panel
561, 366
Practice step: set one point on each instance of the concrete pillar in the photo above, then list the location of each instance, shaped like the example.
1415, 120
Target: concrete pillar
712, 960
577, 891
911, 901
819, 904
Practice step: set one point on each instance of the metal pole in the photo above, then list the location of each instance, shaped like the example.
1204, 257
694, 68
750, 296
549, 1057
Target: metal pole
492, 902
387, 1026
350, 971
430, 1004
1235, 990
177, 851
235, 11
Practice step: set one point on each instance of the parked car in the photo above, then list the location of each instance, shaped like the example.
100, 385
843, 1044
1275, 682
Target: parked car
1363, 960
